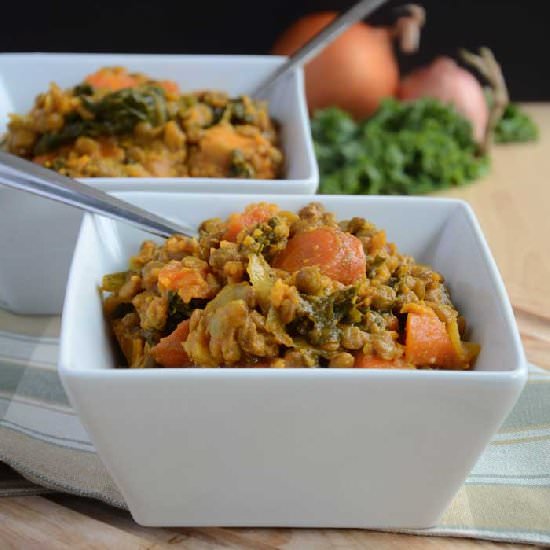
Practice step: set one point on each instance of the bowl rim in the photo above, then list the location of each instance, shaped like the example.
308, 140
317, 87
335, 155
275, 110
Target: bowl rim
273, 58
517, 374
173, 183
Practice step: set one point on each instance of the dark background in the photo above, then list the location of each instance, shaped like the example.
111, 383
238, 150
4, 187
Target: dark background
518, 31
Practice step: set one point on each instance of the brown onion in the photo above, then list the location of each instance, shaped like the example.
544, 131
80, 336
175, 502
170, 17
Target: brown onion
358, 69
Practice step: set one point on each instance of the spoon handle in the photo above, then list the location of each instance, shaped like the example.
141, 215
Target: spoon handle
323, 38
28, 176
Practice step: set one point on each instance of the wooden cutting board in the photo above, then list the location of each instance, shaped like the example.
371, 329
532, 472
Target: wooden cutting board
513, 207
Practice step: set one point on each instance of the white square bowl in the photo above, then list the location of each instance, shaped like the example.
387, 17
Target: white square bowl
296, 447
24, 76
24, 243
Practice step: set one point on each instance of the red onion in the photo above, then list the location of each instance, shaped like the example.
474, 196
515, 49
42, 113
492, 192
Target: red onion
446, 81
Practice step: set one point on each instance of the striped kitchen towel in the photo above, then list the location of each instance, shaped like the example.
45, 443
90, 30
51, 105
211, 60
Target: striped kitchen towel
506, 497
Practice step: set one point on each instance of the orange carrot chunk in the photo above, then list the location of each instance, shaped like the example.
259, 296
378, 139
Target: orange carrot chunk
428, 343
111, 78
253, 214
170, 87
169, 351
109, 149
188, 282
363, 361
338, 255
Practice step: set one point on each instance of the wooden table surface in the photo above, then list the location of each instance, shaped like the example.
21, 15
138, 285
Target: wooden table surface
513, 206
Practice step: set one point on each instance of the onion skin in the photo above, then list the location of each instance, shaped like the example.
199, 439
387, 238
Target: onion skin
354, 73
446, 81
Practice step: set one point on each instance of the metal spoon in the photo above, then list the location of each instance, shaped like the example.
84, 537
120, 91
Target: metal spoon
21, 174
322, 39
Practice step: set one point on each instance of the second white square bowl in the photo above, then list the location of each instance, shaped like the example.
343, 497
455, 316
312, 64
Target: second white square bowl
35, 232
297, 447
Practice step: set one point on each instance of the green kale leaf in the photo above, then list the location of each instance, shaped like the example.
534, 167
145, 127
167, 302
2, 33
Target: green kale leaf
115, 113
179, 311
404, 148
318, 316
515, 126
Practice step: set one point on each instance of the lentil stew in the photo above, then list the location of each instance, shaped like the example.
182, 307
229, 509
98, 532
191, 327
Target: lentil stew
270, 288
121, 124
